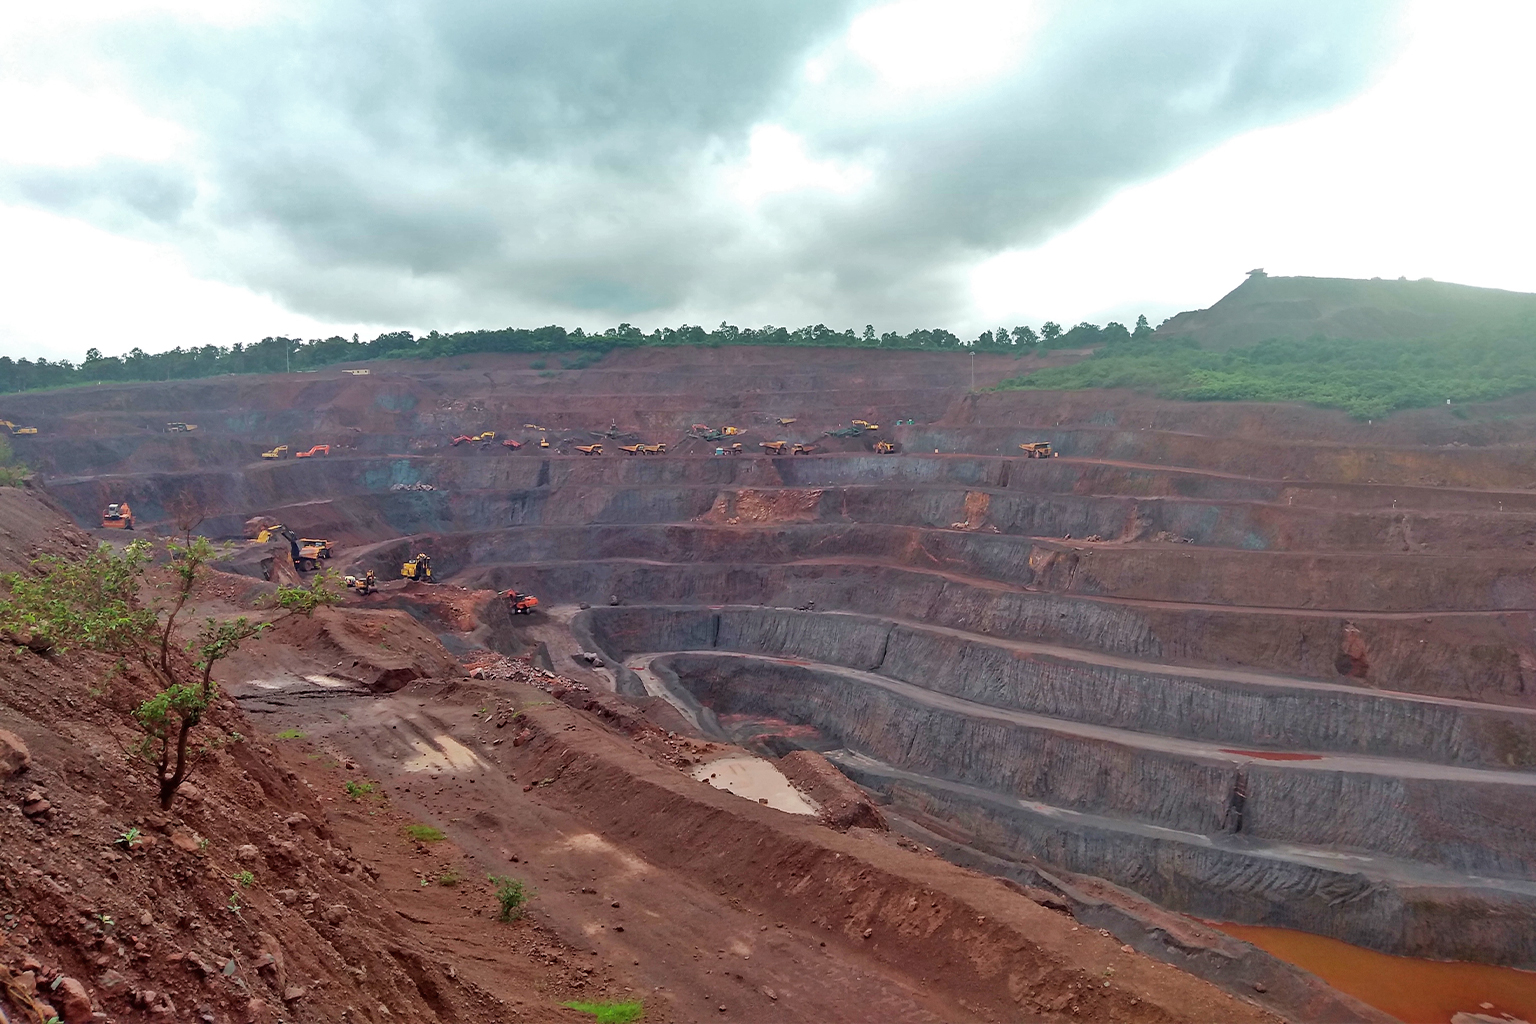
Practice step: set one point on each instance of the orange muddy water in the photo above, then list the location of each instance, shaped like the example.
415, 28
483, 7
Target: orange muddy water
1414, 991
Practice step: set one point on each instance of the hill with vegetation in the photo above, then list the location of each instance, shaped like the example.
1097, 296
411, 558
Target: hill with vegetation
1264, 308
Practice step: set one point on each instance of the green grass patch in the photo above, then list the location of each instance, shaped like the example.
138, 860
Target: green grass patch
291, 734
425, 833
1364, 378
611, 1013
357, 790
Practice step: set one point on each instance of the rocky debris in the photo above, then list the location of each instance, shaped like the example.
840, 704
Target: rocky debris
412, 487
34, 805
591, 658
255, 524
15, 758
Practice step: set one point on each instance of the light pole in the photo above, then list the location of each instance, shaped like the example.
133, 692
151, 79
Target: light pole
973, 371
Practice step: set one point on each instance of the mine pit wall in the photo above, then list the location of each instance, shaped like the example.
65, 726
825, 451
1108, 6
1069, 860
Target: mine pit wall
1481, 657
1459, 825
1162, 702
1224, 882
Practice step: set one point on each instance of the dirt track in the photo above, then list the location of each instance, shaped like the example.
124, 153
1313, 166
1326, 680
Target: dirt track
1215, 588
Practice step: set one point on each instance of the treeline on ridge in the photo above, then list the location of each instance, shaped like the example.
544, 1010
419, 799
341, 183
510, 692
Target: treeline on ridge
275, 355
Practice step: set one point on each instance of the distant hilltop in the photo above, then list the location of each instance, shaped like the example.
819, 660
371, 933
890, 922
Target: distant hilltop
1265, 307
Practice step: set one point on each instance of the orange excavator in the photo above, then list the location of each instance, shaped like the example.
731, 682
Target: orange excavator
514, 445
117, 516
519, 603
319, 449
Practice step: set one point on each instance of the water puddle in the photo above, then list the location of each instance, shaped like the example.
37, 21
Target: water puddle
755, 779
1414, 991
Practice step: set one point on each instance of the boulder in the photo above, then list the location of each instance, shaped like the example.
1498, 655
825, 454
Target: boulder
14, 755
74, 1003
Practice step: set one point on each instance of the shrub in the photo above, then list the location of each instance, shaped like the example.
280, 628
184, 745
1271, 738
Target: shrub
324, 589
425, 833
357, 790
512, 895
611, 1013
245, 879
449, 876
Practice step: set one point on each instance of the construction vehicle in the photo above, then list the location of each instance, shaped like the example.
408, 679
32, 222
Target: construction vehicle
272, 533
358, 373
519, 603
784, 423
653, 449
543, 442
533, 426
367, 585
590, 449
514, 445
734, 449
275, 453
846, 432
418, 569
866, 424
730, 431
485, 438
613, 433
118, 516
631, 449
311, 551
1038, 450
884, 447
180, 428
774, 447
802, 449
13, 428
319, 449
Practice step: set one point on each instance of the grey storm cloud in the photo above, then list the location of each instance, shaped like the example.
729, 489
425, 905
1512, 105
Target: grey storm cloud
454, 163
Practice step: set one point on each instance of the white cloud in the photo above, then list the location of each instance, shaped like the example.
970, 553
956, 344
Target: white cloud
777, 162
1425, 175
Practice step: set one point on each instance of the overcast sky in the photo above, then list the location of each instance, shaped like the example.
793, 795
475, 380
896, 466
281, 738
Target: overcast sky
180, 172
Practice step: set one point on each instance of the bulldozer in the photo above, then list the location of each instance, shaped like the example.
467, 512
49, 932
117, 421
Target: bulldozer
884, 447
1038, 450
729, 431
319, 449
418, 569
275, 453
117, 516
519, 603
774, 447
311, 551
590, 449
180, 428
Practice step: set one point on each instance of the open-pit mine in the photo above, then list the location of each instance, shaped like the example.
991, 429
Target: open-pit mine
1199, 663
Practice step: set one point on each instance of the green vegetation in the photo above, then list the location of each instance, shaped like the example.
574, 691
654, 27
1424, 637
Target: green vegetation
611, 1013
94, 603
324, 589
425, 833
357, 790
130, 839
244, 879
449, 876
1364, 378
12, 473
291, 734
512, 895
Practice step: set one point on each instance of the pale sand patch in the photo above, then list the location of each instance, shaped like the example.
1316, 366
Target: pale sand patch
444, 753
757, 780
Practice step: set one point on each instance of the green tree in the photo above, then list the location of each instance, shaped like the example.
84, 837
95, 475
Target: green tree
1049, 332
95, 603
1143, 329
324, 589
